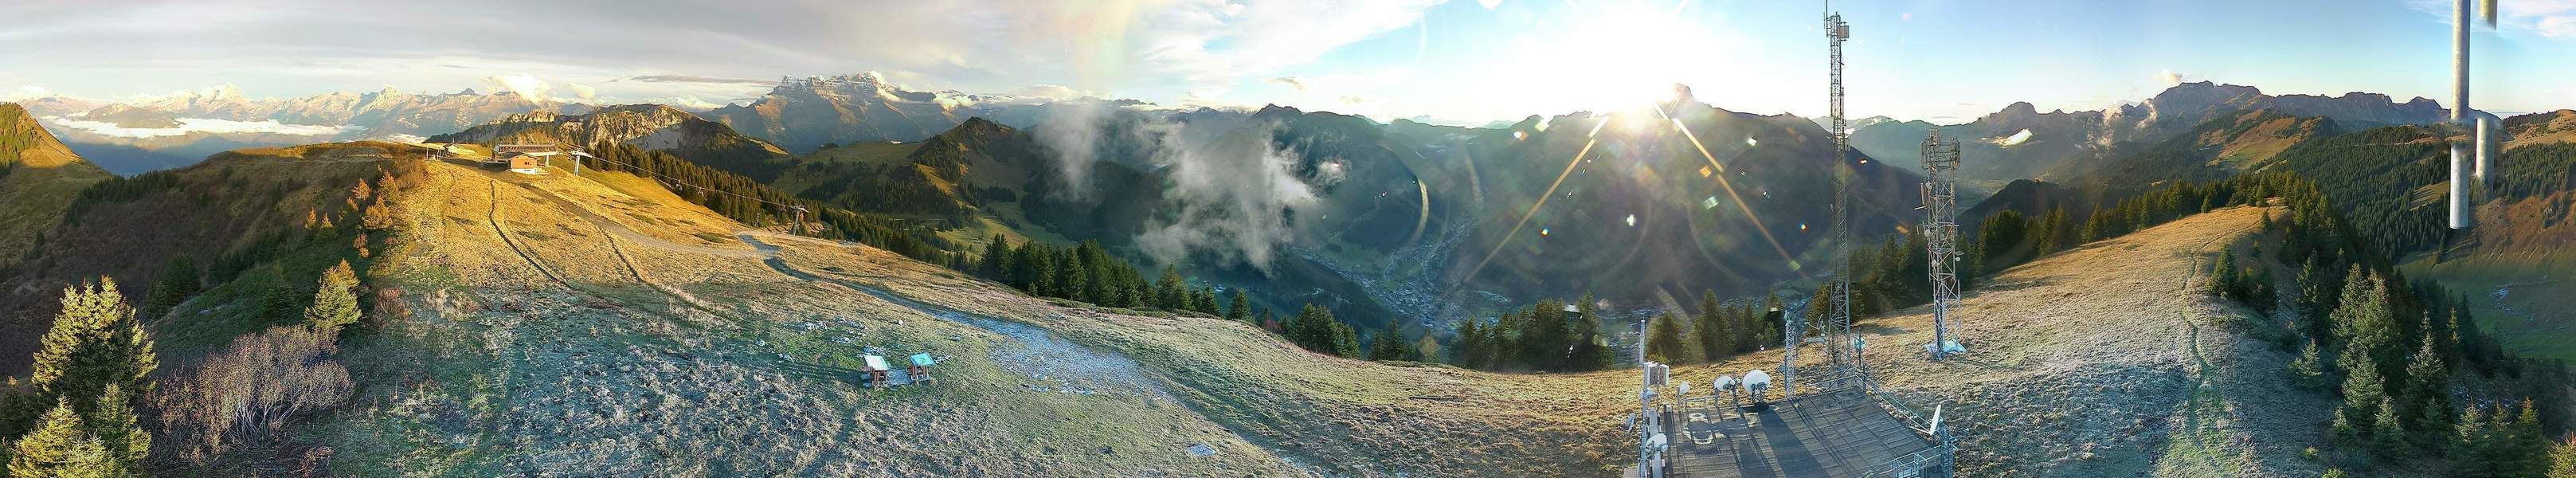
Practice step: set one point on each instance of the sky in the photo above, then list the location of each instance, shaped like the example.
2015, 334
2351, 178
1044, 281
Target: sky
1459, 61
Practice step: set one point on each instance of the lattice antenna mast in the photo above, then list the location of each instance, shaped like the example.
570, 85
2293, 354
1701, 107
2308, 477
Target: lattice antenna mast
1842, 351
1940, 234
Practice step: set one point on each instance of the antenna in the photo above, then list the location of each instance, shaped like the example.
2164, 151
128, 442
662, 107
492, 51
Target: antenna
1940, 233
1842, 350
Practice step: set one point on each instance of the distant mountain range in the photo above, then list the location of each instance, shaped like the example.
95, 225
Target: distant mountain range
803, 114
2021, 142
184, 127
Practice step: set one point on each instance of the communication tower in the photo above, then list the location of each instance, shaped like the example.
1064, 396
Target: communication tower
1842, 349
1940, 235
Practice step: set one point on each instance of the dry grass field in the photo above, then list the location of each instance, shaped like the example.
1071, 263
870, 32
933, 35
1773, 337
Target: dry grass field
595, 325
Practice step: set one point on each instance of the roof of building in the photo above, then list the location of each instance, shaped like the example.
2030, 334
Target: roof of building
877, 363
1836, 433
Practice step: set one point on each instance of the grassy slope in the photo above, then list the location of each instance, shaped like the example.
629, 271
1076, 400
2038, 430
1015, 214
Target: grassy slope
43, 177
608, 363
2094, 362
2518, 263
2518, 271
632, 340
224, 204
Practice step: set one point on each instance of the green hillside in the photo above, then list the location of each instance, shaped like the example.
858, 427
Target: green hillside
38, 179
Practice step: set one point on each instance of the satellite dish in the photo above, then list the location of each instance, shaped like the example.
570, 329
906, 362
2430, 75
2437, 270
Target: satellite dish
1684, 389
1723, 383
1757, 378
1936, 421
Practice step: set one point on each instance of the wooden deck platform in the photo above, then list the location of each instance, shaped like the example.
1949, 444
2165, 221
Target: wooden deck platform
1841, 433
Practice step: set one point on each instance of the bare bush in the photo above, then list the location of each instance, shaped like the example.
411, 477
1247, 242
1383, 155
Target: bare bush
243, 394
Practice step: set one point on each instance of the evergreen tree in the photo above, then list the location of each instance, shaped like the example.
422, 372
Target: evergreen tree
2563, 459
1073, 279
2362, 396
2526, 446
1240, 308
997, 256
1345, 341
1664, 340
48, 450
2222, 276
1168, 290
2473, 447
179, 281
2363, 325
1710, 331
94, 344
2309, 370
2385, 436
1471, 348
1387, 343
335, 300
2318, 286
114, 426
2430, 392
1204, 301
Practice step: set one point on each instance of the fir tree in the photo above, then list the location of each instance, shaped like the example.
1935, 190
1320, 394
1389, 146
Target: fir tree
2308, 371
94, 344
1469, 350
2362, 396
1664, 340
2430, 388
335, 300
1240, 308
48, 450
1387, 343
2386, 436
1709, 329
2563, 459
113, 424
1168, 291
997, 256
179, 281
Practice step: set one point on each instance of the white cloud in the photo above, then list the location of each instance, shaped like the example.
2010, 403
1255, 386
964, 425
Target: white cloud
2168, 78
584, 92
2015, 140
1052, 92
197, 125
527, 87
28, 92
690, 103
2554, 19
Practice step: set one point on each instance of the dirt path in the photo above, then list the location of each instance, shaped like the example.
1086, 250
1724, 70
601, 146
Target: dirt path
2200, 395
494, 216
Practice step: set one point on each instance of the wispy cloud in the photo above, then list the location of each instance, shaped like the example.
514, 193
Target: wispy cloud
197, 125
2553, 19
694, 79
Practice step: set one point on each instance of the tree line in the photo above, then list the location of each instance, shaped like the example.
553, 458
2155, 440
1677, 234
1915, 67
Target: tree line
2391, 351
1543, 337
750, 202
1087, 273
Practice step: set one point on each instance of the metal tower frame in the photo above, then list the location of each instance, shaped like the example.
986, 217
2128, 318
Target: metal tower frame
1842, 349
1940, 233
